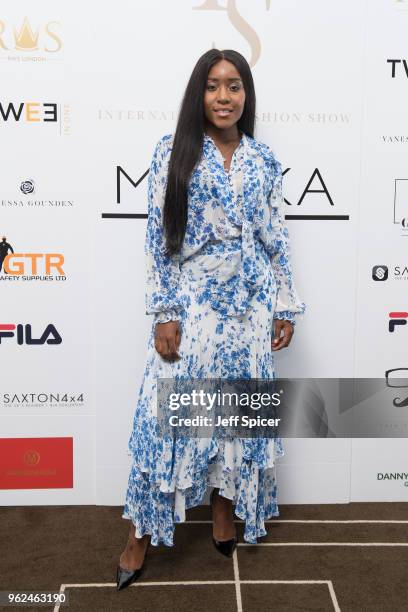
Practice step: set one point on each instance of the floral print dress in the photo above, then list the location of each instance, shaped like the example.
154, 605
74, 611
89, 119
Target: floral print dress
232, 278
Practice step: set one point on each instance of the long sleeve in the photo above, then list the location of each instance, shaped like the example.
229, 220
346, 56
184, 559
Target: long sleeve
288, 304
163, 273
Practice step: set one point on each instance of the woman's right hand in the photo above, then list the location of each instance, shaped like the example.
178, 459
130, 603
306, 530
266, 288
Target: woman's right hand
167, 340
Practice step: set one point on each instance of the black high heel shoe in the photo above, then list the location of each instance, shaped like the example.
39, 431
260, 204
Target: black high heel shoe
225, 547
125, 578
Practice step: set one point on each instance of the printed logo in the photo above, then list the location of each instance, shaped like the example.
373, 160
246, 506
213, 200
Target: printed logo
401, 205
402, 476
239, 23
24, 43
36, 463
23, 334
319, 187
29, 113
397, 378
380, 273
392, 139
29, 266
399, 68
42, 400
27, 186
396, 319
396, 273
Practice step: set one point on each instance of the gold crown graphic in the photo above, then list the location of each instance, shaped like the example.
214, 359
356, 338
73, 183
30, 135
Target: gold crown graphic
26, 39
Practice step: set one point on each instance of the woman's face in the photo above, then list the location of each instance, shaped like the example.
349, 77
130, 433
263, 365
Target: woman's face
224, 96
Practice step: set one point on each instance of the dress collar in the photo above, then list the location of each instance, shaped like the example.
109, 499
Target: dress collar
210, 140
211, 149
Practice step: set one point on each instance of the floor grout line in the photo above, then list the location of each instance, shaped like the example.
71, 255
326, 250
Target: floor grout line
57, 605
333, 596
324, 544
237, 581
318, 521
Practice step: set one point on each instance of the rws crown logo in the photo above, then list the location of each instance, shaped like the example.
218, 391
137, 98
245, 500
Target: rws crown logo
27, 40
239, 24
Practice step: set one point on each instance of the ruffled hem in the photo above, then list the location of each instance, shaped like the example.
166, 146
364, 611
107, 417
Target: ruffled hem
175, 475
290, 315
172, 314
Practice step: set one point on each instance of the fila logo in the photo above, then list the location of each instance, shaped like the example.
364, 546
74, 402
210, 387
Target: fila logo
24, 336
397, 318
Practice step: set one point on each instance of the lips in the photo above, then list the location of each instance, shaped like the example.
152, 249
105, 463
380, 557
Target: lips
222, 112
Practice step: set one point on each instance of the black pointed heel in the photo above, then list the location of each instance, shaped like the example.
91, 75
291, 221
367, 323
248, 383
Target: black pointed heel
125, 578
225, 547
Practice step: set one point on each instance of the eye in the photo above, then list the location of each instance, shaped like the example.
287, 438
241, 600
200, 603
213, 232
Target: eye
210, 87
236, 87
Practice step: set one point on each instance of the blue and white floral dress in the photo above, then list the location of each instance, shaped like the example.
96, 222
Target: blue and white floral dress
231, 279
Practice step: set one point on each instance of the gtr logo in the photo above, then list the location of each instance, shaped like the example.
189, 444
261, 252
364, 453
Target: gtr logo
22, 263
397, 318
24, 335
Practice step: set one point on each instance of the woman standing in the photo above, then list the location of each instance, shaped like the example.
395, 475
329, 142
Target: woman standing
220, 287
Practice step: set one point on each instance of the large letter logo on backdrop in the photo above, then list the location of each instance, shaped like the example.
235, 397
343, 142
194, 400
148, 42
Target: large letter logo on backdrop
26, 39
34, 111
24, 335
239, 24
397, 318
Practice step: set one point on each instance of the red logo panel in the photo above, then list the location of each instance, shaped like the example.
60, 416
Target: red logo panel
36, 463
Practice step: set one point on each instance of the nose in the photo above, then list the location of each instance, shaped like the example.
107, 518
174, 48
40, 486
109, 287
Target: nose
223, 94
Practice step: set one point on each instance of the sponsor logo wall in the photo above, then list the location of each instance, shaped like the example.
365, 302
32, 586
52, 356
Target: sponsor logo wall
82, 107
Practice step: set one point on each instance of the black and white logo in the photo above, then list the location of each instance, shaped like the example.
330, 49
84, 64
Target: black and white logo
27, 186
380, 273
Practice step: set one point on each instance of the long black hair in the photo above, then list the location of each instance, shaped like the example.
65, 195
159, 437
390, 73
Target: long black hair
189, 136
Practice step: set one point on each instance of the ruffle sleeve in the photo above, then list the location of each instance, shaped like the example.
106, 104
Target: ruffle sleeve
275, 236
162, 272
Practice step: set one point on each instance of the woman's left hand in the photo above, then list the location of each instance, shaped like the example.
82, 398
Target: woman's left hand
280, 341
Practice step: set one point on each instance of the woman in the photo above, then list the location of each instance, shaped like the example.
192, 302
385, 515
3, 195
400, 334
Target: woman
220, 287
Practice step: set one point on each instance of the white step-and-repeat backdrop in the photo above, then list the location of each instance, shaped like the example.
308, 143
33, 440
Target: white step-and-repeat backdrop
87, 90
